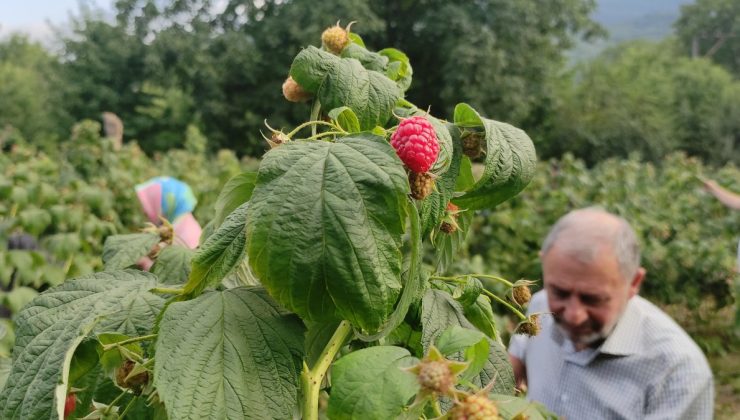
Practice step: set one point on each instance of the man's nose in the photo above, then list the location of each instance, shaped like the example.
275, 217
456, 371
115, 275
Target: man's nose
574, 313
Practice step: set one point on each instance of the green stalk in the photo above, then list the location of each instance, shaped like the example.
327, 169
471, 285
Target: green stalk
315, 110
520, 315
128, 407
311, 379
111, 346
306, 124
167, 290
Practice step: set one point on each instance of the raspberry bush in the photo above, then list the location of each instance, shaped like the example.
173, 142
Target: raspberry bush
308, 294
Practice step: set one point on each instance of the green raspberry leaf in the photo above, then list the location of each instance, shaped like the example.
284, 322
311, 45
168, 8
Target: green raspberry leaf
237, 191
122, 251
310, 67
510, 161
220, 254
229, 354
173, 264
439, 311
370, 94
51, 326
370, 384
325, 225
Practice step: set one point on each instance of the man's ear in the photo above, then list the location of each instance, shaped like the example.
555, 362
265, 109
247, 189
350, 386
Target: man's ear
636, 281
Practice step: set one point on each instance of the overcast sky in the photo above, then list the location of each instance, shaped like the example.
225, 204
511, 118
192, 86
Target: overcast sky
32, 16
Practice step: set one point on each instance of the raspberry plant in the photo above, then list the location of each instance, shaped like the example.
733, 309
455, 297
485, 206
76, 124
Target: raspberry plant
308, 285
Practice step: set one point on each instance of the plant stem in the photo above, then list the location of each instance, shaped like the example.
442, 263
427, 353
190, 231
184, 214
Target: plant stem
518, 313
307, 123
107, 409
128, 407
110, 346
437, 409
498, 279
461, 279
311, 378
315, 110
167, 290
324, 134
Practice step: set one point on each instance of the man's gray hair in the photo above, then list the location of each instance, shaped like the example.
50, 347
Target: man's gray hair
585, 241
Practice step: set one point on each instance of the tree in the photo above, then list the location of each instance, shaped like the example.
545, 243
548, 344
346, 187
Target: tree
645, 98
29, 92
711, 29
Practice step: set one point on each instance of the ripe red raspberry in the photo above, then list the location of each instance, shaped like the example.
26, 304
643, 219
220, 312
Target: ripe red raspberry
69, 404
416, 143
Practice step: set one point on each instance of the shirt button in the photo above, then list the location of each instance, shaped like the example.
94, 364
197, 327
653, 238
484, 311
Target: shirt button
564, 398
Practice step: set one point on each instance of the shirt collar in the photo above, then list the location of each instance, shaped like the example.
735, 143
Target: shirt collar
624, 339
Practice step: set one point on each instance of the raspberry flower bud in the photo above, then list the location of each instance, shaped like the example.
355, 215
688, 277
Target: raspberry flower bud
294, 92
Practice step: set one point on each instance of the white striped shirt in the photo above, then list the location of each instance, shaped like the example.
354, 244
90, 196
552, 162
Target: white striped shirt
648, 368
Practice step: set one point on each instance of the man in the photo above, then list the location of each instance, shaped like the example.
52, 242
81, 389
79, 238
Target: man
604, 352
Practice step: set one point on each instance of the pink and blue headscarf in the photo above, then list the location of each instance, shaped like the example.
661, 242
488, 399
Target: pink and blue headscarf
173, 200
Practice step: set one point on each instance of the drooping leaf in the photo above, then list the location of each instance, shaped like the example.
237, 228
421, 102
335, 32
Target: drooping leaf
236, 191
310, 67
229, 354
439, 312
52, 326
346, 119
173, 264
369, 384
221, 252
510, 161
371, 95
122, 251
325, 225
370, 60
399, 67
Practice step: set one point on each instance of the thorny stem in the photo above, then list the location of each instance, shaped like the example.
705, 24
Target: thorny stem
110, 346
311, 378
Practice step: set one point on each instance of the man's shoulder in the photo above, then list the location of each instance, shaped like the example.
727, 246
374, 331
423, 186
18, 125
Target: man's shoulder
664, 339
538, 303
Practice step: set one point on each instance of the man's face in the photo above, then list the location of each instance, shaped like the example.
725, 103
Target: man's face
586, 299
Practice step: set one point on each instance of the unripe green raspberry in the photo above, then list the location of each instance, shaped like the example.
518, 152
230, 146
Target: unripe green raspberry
474, 407
293, 92
422, 184
435, 376
335, 38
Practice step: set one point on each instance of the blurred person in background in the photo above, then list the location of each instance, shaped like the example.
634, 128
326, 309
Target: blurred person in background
603, 351
726, 197
166, 198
